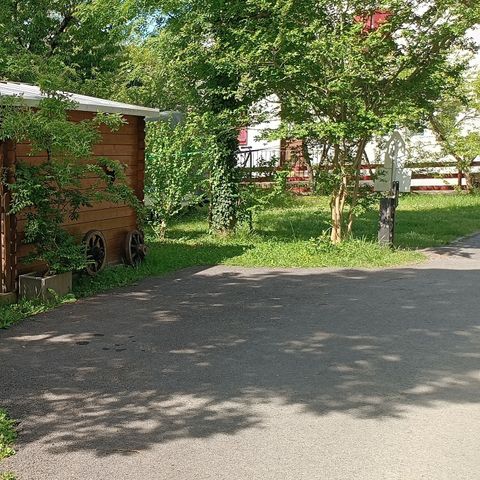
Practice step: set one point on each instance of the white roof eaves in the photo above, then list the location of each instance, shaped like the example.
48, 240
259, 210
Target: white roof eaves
31, 96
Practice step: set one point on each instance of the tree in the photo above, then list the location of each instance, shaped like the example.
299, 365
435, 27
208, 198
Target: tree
75, 45
352, 82
193, 61
176, 167
455, 126
344, 71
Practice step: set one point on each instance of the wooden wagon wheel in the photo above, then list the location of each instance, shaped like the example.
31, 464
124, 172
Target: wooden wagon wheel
96, 251
135, 248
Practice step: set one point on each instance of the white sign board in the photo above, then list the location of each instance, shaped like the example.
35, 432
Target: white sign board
393, 169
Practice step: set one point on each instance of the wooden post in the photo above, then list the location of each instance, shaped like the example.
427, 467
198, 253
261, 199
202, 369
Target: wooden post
8, 237
3, 283
386, 231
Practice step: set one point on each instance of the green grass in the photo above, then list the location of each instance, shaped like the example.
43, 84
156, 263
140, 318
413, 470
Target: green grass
8, 476
7, 435
283, 238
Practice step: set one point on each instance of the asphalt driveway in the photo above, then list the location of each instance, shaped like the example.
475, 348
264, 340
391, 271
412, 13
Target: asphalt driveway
221, 373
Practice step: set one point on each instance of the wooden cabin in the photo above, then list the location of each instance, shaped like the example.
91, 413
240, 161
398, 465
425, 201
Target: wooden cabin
116, 223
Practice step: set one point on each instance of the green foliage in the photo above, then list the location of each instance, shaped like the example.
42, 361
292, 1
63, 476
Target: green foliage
178, 158
7, 435
48, 127
224, 194
185, 63
11, 314
70, 179
354, 251
8, 476
337, 82
454, 125
77, 45
254, 198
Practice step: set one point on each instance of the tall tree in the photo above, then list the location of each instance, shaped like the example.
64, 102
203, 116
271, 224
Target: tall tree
70, 44
344, 71
194, 59
455, 126
349, 70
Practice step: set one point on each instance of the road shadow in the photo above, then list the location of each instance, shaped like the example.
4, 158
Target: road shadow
466, 248
202, 353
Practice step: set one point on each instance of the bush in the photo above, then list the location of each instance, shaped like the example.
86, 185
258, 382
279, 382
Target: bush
176, 168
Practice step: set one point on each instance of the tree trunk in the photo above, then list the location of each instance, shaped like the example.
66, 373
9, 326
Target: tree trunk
336, 234
308, 162
162, 229
337, 210
224, 195
356, 187
468, 182
336, 201
339, 194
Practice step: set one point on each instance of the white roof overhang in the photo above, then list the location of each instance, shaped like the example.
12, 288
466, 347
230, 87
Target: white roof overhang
31, 95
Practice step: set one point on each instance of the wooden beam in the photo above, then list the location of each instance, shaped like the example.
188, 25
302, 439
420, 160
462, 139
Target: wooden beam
8, 231
3, 283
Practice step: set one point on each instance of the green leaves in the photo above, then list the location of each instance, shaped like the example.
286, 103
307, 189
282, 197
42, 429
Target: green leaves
7, 435
454, 126
73, 45
177, 161
340, 79
69, 180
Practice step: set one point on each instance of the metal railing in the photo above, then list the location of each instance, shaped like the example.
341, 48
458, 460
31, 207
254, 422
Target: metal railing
261, 164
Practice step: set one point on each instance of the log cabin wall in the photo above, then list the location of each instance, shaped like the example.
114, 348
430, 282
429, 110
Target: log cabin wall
8, 237
125, 145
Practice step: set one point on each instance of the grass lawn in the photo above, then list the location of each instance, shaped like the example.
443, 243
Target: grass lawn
283, 238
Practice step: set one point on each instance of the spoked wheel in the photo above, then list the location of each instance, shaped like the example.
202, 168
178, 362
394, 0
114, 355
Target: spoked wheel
96, 251
135, 248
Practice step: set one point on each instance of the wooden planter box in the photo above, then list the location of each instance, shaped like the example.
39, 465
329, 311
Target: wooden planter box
32, 286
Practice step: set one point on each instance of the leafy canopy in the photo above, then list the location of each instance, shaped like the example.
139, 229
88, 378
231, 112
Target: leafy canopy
177, 162
75, 45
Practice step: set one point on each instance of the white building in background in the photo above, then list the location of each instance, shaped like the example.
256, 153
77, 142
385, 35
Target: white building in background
256, 151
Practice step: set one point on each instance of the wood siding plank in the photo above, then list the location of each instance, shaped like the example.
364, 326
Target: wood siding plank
113, 220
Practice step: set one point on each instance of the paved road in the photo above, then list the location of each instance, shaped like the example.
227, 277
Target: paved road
222, 373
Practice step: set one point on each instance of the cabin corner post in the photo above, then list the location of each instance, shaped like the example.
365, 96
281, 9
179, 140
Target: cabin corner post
140, 184
8, 230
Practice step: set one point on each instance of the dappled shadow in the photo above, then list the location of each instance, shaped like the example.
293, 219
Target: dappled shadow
163, 257
198, 353
463, 249
450, 251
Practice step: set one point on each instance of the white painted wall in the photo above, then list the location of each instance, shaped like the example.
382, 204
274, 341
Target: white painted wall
269, 108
